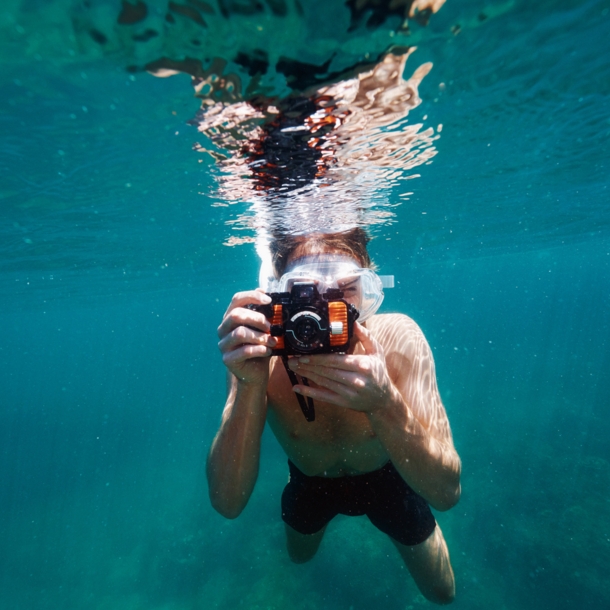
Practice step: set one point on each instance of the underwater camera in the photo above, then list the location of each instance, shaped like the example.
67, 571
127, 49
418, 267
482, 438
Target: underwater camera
305, 322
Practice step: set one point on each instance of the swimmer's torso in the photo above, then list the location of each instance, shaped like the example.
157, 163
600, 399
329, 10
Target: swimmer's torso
340, 441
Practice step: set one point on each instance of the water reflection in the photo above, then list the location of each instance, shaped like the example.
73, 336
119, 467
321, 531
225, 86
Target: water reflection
324, 160
303, 103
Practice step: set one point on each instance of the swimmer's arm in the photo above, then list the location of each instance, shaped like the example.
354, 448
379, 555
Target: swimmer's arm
398, 393
233, 460
412, 425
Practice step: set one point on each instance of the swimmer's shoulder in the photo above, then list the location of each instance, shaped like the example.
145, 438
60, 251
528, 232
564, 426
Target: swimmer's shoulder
396, 332
400, 322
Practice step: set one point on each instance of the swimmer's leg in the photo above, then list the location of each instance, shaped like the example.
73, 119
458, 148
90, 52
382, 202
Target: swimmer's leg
428, 563
302, 547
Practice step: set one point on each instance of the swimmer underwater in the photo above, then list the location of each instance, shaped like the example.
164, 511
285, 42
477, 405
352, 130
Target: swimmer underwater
381, 443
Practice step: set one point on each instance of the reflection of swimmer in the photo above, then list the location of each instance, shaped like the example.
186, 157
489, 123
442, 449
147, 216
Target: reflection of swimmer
380, 444
326, 157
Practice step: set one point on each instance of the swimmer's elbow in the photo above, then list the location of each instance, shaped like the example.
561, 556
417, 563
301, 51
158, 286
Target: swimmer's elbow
227, 500
227, 507
450, 491
228, 491
227, 512
448, 499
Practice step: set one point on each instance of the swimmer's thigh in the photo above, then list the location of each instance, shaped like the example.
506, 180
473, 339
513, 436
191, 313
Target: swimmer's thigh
302, 547
429, 564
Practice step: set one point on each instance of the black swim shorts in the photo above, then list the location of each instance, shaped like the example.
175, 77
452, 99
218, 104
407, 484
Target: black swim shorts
309, 503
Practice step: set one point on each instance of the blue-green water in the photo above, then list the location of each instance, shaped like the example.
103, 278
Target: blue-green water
113, 278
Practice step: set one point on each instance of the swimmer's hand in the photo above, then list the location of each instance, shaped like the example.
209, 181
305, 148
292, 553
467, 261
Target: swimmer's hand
360, 382
245, 342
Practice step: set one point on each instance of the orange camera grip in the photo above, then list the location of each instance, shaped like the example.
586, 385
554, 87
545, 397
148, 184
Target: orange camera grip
337, 312
277, 320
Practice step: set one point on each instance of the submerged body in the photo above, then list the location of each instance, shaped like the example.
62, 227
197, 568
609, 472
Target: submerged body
379, 420
343, 441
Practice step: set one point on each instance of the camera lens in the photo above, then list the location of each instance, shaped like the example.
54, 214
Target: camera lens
305, 331
306, 328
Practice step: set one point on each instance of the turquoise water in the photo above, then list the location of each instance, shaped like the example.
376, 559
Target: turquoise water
114, 276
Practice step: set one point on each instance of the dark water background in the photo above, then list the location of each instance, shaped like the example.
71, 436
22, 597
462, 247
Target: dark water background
111, 385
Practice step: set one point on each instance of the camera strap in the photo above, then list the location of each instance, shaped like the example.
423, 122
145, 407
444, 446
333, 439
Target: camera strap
307, 407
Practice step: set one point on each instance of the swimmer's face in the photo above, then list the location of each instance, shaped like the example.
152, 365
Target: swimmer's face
351, 290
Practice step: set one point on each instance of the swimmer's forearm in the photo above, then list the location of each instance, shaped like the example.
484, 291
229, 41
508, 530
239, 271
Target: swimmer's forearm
427, 465
233, 461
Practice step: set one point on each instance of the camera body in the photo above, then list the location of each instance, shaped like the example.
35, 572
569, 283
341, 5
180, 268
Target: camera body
306, 322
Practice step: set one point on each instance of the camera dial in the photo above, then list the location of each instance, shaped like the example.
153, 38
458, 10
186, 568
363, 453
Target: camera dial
306, 330
336, 328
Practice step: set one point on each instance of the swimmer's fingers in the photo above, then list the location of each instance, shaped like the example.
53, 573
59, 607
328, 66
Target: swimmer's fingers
340, 375
372, 347
322, 394
240, 316
353, 392
248, 297
245, 342
240, 355
328, 390
358, 382
243, 336
360, 364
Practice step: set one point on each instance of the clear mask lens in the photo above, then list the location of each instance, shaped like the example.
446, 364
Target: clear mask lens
363, 288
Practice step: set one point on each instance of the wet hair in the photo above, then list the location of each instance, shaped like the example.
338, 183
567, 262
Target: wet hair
352, 242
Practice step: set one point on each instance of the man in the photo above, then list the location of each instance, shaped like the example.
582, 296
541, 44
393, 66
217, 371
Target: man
380, 444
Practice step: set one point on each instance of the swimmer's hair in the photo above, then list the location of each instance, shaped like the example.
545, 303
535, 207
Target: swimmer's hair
352, 242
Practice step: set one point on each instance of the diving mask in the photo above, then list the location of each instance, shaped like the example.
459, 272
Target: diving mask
361, 287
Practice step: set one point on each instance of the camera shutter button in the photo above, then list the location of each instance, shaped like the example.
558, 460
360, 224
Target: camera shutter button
336, 328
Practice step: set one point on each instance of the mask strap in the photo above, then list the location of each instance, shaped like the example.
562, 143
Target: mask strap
387, 281
307, 407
